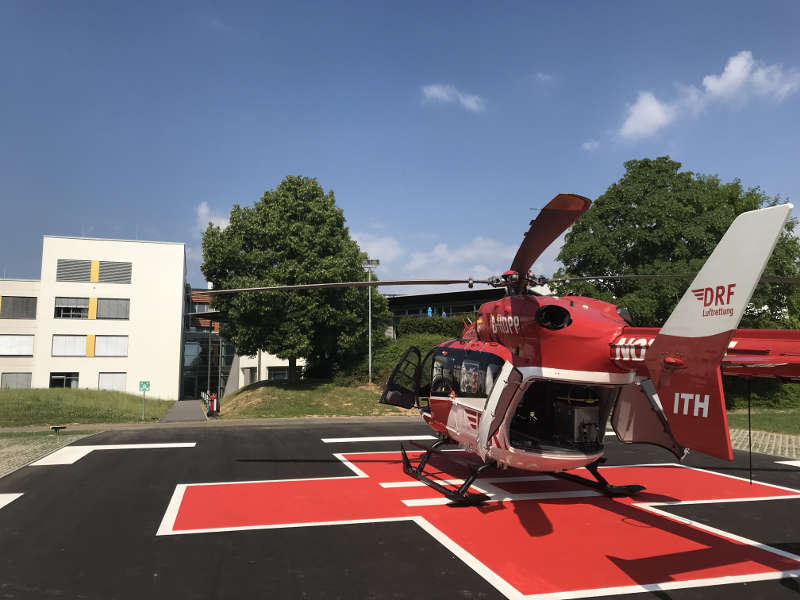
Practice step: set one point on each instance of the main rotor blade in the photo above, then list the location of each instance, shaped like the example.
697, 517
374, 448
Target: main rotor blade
561, 212
346, 284
765, 278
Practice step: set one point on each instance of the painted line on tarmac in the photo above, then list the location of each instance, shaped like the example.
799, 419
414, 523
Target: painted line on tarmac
791, 463
72, 454
380, 438
6, 499
496, 579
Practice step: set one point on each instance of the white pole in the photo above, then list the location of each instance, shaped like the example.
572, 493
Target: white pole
369, 296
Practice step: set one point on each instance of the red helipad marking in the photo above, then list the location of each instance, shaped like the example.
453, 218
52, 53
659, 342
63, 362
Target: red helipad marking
521, 547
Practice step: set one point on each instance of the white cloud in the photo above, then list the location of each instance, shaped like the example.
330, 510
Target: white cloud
591, 145
449, 94
742, 78
646, 116
205, 216
383, 247
544, 77
479, 258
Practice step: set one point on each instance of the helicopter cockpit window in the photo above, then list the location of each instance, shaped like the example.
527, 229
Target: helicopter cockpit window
469, 374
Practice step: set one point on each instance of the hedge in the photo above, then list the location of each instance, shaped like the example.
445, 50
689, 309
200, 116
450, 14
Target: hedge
449, 327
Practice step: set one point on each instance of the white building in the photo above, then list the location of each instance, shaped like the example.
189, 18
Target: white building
107, 314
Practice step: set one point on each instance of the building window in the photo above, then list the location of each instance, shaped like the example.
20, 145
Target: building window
111, 345
111, 381
277, 373
15, 380
248, 375
17, 307
114, 272
68, 269
64, 380
200, 307
113, 308
69, 345
16, 345
72, 308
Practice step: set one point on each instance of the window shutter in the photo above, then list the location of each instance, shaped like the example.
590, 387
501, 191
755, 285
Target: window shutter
15, 380
69, 345
111, 345
18, 307
115, 272
72, 302
16, 345
113, 308
69, 269
112, 381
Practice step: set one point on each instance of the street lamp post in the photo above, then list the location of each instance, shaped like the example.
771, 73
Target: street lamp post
369, 265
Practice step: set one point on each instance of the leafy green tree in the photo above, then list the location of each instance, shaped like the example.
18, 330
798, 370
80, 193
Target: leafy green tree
295, 234
658, 220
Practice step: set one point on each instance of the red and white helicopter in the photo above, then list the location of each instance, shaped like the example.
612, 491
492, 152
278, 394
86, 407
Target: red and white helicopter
532, 383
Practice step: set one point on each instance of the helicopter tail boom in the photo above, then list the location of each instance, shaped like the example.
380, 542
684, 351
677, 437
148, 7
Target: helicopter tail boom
684, 360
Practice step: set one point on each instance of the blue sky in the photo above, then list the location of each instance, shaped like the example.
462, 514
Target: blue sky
438, 125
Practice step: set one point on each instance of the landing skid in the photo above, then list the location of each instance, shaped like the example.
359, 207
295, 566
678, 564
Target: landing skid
600, 482
459, 496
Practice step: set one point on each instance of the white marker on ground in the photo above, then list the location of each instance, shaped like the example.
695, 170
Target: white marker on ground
72, 454
8, 499
380, 438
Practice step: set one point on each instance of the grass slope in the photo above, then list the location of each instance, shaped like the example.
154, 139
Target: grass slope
62, 406
308, 398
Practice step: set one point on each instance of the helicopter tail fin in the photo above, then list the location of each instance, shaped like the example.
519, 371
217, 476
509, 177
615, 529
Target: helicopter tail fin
684, 360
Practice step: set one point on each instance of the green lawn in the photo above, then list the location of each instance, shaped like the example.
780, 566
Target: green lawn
777, 420
68, 406
305, 399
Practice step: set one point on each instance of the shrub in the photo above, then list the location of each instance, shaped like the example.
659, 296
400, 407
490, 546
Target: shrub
449, 327
386, 357
764, 392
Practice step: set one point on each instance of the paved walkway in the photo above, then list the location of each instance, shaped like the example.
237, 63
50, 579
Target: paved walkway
776, 444
185, 411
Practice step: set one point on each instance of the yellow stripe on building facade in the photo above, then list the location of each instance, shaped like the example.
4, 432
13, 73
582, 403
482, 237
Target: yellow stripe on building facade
92, 308
90, 345
95, 274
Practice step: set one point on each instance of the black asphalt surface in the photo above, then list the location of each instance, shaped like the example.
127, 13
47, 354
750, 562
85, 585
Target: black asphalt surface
87, 530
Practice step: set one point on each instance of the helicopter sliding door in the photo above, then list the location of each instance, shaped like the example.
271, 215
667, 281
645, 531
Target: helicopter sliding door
403, 384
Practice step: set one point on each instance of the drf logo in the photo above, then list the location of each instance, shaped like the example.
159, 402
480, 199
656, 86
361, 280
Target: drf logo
716, 296
699, 405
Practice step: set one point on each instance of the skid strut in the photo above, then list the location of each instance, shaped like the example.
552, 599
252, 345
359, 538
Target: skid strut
601, 483
459, 496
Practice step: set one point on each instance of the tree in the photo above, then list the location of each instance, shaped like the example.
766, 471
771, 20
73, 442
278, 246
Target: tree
657, 220
295, 234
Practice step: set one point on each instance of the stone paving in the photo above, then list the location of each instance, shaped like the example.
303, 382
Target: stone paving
776, 444
20, 449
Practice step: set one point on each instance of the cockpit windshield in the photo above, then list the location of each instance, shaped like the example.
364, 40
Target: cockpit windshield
467, 373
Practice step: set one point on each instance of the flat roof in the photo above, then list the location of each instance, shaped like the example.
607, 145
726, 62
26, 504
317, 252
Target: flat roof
20, 279
96, 239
